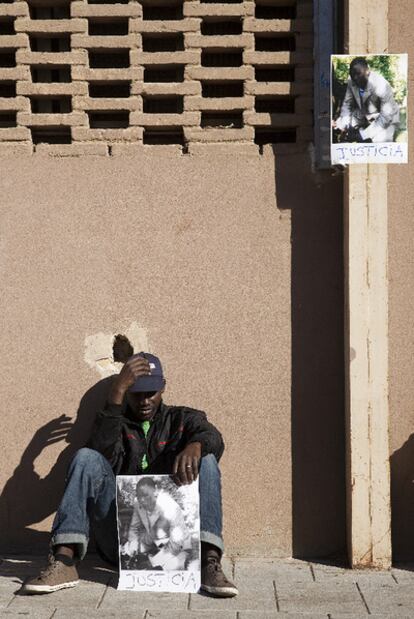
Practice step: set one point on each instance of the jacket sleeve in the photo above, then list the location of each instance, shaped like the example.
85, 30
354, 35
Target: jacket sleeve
348, 105
135, 527
389, 107
197, 429
389, 111
178, 532
106, 436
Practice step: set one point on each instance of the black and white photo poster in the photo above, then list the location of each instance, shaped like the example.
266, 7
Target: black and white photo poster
369, 109
159, 534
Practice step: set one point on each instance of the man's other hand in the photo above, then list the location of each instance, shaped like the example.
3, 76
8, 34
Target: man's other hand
133, 368
185, 469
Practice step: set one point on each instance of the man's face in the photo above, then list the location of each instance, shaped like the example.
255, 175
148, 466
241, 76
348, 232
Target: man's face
359, 75
147, 497
144, 405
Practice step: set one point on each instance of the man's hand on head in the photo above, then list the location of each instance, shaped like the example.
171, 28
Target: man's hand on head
186, 464
133, 368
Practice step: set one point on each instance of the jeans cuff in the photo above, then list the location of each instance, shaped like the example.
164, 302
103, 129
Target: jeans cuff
211, 538
78, 539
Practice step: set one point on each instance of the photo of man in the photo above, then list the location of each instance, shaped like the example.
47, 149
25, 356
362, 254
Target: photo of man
158, 524
369, 108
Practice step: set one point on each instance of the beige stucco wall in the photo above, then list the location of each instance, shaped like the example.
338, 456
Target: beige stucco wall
401, 276
197, 249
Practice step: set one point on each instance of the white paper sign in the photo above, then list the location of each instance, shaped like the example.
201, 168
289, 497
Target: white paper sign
387, 152
158, 533
369, 109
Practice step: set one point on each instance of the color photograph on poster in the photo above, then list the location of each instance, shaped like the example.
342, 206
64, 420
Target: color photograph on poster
369, 108
158, 533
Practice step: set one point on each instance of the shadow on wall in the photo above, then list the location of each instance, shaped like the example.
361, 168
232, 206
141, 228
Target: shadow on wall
318, 423
27, 499
402, 501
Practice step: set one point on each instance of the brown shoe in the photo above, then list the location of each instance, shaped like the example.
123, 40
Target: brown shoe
55, 576
213, 579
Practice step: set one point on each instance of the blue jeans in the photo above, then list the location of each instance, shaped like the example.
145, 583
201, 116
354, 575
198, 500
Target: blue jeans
89, 500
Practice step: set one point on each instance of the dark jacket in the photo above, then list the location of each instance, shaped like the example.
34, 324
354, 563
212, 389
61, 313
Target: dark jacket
122, 441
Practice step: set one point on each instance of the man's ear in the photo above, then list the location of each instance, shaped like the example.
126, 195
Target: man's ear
165, 383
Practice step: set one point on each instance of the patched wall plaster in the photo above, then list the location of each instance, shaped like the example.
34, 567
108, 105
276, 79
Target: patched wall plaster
99, 348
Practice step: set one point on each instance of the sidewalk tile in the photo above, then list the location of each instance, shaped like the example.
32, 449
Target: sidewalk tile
7, 591
5, 602
329, 573
387, 616
390, 598
40, 613
87, 613
256, 591
137, 600
131, 613
84, 594
251, 614
321, 598
228, 567
327, 570
200, 614
9, 585
15, 570
282, 571
397, 615
404, 572
96, 575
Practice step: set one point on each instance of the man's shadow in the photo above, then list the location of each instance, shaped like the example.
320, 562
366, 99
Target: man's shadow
27, 498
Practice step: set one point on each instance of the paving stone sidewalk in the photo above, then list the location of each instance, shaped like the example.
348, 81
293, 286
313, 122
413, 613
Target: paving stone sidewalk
269, 589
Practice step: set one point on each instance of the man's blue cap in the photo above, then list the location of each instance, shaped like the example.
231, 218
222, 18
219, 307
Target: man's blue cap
153, 381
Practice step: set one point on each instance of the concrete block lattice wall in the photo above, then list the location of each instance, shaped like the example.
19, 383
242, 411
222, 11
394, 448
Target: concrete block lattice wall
91, 74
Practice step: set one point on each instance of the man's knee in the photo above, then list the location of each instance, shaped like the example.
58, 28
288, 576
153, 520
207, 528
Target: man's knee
86, 457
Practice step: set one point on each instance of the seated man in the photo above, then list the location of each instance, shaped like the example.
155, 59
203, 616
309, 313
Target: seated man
136, 433
369, 111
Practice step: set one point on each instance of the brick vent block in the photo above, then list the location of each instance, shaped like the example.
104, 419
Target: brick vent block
89, 74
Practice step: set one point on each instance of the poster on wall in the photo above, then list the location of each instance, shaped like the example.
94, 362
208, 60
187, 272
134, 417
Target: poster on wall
369, 109
158, 533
